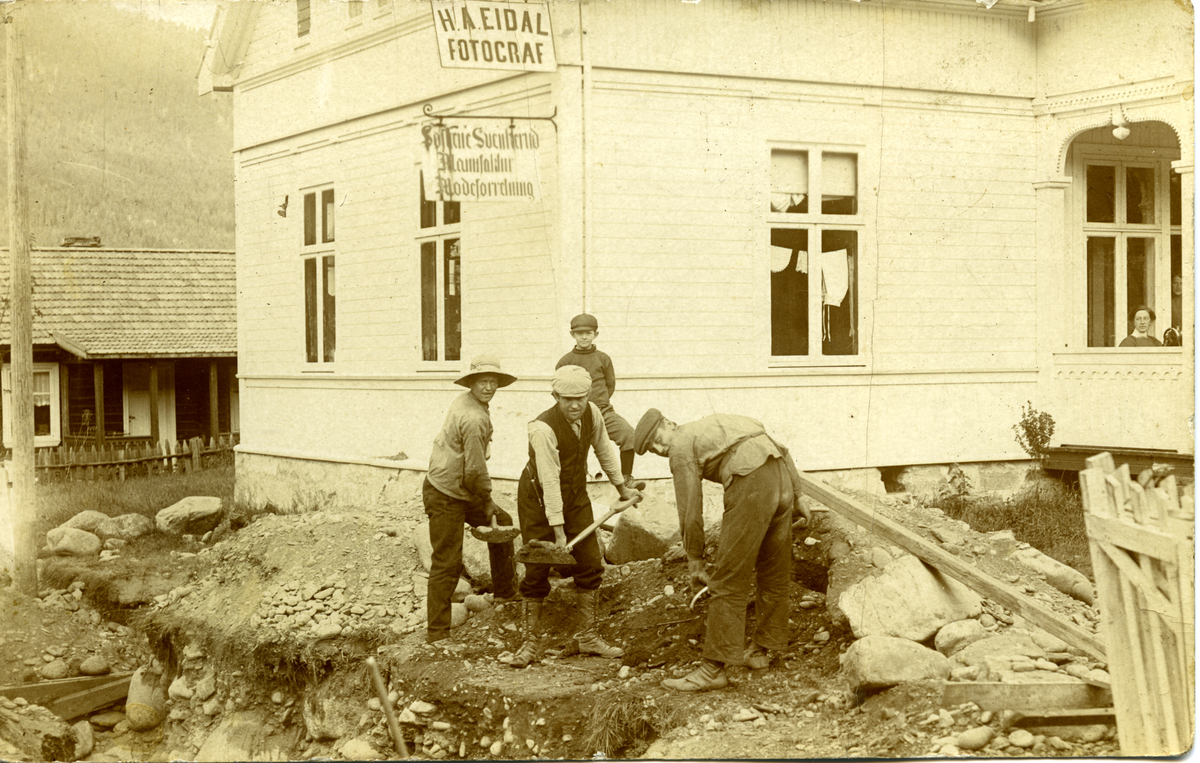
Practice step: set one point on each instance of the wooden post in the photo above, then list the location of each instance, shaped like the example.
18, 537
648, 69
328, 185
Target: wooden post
64, 403
98, 386
21, 310
154, 402
197, 445
214, 404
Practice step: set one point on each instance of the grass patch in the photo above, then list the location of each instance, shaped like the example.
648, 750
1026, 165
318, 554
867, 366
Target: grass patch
58, 501
1046, 514
621, 718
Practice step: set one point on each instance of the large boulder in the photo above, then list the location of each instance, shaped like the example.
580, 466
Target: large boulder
69, 541
146, 704
125, 527
957, 635
87, 520
1066, 579
244, 735
907, 600
34, 733
877, 662
194, 515
996, 655
637, 537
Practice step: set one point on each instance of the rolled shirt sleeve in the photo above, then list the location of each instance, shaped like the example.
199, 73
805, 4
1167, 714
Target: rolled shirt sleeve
545, 455
606, 450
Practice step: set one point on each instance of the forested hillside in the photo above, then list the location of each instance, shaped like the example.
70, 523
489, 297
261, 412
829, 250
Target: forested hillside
119, 144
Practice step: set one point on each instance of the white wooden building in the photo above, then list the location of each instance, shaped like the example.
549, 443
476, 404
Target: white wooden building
998, 186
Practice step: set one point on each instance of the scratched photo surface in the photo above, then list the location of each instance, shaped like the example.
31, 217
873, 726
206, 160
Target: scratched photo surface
473, 379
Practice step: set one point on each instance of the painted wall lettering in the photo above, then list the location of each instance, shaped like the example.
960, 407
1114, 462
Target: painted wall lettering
478, 34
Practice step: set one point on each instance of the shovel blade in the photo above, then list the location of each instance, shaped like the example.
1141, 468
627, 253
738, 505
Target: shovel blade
495, 534
542, 555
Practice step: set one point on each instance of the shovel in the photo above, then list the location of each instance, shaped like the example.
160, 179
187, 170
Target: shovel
495, 533
545, 552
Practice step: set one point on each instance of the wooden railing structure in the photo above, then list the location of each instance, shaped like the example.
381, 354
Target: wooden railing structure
121, 459
1142, 545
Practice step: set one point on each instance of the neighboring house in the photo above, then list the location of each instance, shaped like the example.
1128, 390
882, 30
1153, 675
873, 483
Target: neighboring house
128, 345
983, 192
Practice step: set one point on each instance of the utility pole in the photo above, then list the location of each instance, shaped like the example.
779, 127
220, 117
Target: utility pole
21, 310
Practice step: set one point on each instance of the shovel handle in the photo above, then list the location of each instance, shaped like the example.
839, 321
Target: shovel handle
617, 508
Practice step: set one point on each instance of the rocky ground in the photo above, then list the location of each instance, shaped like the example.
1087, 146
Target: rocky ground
254, 641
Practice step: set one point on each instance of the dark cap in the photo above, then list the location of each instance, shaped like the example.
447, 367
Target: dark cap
645, 430
584, 321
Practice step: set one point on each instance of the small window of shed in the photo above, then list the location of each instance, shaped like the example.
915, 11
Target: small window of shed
789, 181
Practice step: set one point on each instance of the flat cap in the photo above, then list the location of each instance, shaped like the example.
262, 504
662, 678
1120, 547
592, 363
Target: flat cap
584, 321
645, 430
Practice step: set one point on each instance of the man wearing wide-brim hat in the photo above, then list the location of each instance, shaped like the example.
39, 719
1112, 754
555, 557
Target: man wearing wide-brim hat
761, 491
457, 489
553, 505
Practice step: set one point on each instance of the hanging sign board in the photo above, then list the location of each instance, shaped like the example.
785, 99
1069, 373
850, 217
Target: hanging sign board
476, 34
481, 160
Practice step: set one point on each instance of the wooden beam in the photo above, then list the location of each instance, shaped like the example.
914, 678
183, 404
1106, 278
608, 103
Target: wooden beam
64, 403
98, 386
214, 405
1006, 696
1082, 717
88, 700
951, 565
154, 402
45, 692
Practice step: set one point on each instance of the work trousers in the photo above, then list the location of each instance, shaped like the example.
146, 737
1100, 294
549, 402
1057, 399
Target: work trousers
618, 429
588, 569
446, 518
756, 539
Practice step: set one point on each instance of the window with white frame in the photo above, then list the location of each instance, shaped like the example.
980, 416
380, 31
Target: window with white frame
319, 258
46, 405
1133, 247
354, 9
439, 241
815, 227
303, 18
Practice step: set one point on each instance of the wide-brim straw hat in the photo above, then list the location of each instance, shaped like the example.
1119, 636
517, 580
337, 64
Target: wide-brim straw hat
485, 364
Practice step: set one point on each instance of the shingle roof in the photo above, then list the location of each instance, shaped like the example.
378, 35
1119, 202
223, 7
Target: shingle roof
130, 302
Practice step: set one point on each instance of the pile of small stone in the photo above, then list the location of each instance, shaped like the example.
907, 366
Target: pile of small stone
966, 728
326, 611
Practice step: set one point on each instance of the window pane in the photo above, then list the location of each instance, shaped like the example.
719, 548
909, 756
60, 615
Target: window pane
1139, 195
452, 280
453, 212
789, 292
41, 403
839, 184
328, 311
310, 219
428, 208
1176, 199
1139, 276
1101, 194
1101, 327
1177, 281
327, 215
302, 17
789, 181
839, 293
355, 8
310, 310
429, 340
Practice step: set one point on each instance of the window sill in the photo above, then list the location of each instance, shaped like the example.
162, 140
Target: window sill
823, 361
324, 369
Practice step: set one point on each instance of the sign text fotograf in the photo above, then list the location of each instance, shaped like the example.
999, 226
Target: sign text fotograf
481, 160
476, 34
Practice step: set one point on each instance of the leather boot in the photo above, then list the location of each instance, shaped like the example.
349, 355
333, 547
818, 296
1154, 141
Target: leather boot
589, 638
531, 647
710, 675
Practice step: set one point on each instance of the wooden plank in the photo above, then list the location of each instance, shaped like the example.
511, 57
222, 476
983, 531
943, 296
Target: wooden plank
87, 700
951, 565
98, 391
1082, 717
45, 692
1042, 696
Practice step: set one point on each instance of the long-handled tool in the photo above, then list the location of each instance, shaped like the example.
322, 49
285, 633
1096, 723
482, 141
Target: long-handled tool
545, 552
381, 690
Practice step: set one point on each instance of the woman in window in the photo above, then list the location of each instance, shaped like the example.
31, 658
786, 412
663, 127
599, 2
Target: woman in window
1142, 318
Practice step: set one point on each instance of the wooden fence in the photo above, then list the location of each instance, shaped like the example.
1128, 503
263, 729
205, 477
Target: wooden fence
1143, 552
117, 461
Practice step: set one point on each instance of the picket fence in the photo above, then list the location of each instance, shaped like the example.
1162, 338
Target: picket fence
119, 460
1141, 538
